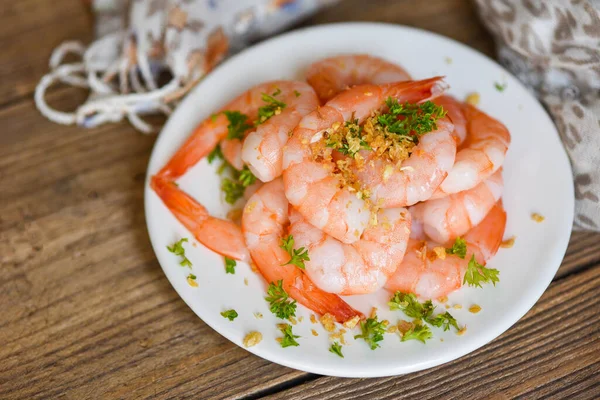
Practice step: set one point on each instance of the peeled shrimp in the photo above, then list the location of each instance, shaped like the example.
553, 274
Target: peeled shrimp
480, 155
262, 149
449, 217
222, 236
332, 75
430, 277
310, 185
264, 222
418, 176
455, 112
358, 268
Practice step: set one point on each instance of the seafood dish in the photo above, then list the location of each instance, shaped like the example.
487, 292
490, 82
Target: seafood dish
355, 180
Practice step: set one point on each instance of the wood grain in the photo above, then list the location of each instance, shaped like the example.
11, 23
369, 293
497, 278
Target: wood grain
553, 351
29, 31
87, 312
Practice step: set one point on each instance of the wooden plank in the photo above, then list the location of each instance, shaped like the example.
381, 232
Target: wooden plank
86, 308
30, 29
553, 351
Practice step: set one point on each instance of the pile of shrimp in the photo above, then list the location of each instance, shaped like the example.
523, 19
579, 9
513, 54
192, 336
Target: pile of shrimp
386, 234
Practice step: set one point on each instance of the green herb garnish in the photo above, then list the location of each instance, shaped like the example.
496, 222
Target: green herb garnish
500, 86
273, 107
445, 321
235, 186
238, 124
288, 339
336, 348
408, 303
372, 332
230, 266
459, 248
230, 314
477, 274
297, 256
410, 119
278, 301
297, 93
178, 250
214, 154
418, 332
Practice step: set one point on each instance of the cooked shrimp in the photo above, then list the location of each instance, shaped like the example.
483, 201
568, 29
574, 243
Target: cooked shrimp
449, 217
264, 222
262, 149
417, 178
455, 112
310, 185
480, 155
422, 272
358, 268
215, 128
219, 235
332, 75
232, 152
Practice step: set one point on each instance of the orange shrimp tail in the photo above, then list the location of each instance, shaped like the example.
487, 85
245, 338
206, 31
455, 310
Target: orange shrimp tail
221, 236
417, 91
487, 235
298, 285
202, 141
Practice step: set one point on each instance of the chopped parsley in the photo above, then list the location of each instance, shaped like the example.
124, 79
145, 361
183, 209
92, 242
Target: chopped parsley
408, 303
297, 256
410, 119
297, 93
216, 153
336, 348
419, 332
350, 141
278, 301
178, 250
230, 314
230, 265
459, 248
288, 339
445, 321
477, 274
273, 107
372, 332
235, 186
500, 86
238, 124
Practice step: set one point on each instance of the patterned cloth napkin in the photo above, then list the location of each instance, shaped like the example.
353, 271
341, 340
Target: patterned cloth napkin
553, 46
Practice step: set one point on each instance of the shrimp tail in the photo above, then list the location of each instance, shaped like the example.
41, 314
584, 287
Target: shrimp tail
202, 141
219, 235
417, 91
306, 293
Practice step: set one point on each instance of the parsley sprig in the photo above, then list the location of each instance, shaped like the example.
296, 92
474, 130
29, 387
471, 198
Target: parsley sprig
419, 332
297, 256
410, 119
459, 248
279, 302
288, 339
215, 154
477, 274
235, 186
230, 314
238, 124
230, 265
336, 348
178, 250
372, 332
272, 107
421, 312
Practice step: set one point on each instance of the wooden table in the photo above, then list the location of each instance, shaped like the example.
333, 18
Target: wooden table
86, 311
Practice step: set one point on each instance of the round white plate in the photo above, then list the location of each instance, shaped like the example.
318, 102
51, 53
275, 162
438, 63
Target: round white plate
537, 175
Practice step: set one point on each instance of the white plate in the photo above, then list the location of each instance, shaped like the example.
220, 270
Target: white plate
537, 175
